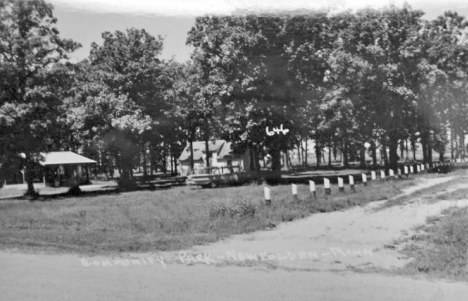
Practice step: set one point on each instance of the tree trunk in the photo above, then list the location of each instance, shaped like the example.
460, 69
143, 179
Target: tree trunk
151, 158
164, 157
363, 156
256, 159
192, 164
441, 156
139, 162
345, 154
145, 171
207, 148
28, 174
393, 147
413, 145
253, 158
402, 149
306, 152
318, 153
299, 153
172, 161
374, 154
334, 151
424, 147
429, 152
451, 142
461, 144
407, 150
384, 156
329, 155
303, 153
276, 164
119, 163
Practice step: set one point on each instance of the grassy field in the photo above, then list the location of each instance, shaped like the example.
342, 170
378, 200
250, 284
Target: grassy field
165, 220
440, 248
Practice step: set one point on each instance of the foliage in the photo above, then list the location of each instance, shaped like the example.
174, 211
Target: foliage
34, 78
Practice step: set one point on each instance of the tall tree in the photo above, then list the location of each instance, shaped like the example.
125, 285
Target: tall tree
127, 64
33, 61
245, 70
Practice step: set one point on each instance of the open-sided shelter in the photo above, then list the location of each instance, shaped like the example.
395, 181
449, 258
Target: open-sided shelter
65, 168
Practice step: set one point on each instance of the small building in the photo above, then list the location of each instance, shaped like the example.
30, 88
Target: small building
220, 155
64, 168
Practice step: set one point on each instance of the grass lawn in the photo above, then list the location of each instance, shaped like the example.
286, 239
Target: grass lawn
440, 248
166, 219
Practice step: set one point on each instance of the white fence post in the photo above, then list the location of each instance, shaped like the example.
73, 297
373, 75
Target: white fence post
312, 188
326, 184
266, 191
294, 190
340, 184
364, 179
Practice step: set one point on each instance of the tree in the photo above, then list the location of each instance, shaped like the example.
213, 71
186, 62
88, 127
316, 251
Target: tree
126, 65
245, 70
33, 73
445, 90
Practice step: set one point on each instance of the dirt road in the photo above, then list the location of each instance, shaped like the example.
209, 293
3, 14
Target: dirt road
324, 257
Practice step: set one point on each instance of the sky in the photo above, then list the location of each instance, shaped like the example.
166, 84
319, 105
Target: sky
85, 20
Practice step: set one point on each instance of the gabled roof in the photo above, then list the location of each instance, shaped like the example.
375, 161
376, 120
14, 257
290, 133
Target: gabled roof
226, 151
62, 158
221, 147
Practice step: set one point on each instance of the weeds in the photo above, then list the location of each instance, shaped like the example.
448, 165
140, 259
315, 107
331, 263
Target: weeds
240, 209
443, 248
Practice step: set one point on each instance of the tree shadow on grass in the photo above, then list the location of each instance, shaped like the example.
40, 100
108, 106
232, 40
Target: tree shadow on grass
76, 192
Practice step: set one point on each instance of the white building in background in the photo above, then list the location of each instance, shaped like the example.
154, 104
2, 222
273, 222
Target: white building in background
220, 155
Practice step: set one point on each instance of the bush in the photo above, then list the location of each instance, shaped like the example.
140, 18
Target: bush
75, 190
240, 210
127, 184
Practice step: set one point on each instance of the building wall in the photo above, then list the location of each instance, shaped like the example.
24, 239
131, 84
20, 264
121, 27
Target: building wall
215, 162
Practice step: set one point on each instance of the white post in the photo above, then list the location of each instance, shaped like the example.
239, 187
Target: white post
294, 190
411, 169
267, 195
382, 175
312, 187
406, 170
340, 184
399, 172
418, 170
326, 184
392, 173
373, 176
364, 179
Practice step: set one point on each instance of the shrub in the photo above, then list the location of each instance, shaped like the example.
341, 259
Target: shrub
127, 184
74, 190
241, 209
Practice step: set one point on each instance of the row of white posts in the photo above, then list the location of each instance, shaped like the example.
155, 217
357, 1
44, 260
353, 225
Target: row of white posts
326, 182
